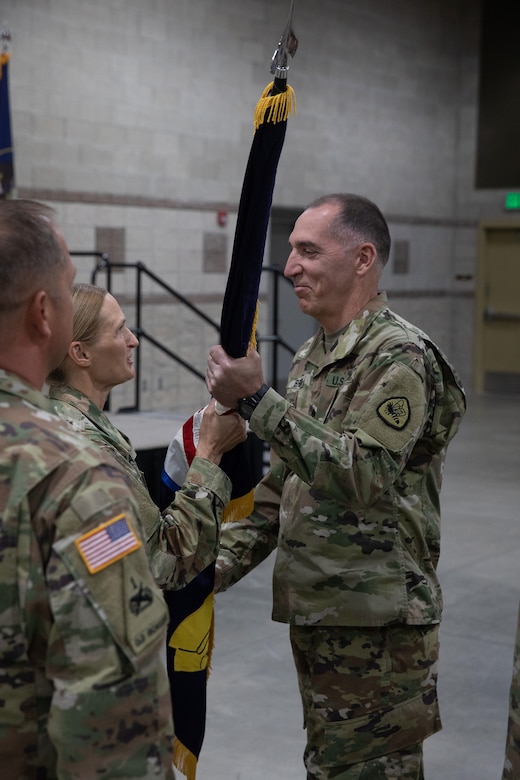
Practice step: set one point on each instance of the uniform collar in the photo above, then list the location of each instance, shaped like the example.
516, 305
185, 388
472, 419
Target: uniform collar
347, 337
79, 402
14, 385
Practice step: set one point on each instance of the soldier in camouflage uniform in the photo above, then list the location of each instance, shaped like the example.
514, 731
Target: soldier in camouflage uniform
351, 500
182, 541
83, 690
512, 760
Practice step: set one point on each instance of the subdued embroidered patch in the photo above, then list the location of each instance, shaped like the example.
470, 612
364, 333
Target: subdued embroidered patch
337, 379
395, 412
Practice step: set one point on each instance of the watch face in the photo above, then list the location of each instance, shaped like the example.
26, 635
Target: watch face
244, 408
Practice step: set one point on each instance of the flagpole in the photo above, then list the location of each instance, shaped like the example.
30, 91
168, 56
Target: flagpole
287, 46
5, 36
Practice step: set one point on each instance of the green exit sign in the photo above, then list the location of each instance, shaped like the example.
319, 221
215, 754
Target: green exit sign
513, 200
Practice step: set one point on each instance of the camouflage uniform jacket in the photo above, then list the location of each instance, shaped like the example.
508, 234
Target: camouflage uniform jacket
351, 501
83, 690
184, 539
512, 757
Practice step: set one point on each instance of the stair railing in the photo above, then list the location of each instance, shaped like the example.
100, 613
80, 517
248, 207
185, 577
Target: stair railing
106, 266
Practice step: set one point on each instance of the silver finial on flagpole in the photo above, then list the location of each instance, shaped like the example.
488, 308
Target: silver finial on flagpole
287, 46
5, 37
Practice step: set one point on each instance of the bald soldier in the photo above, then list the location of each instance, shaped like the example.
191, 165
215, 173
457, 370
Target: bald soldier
83, 688
351, 500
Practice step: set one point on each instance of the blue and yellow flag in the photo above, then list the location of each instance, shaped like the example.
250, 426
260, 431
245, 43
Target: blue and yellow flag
6, 144
190, 633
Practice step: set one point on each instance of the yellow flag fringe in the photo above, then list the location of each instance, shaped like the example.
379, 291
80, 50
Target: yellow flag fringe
274, 108
238, 508
252, 338
184, 760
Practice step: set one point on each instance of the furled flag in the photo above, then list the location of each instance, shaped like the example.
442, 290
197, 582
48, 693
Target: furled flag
190, 632
6, 144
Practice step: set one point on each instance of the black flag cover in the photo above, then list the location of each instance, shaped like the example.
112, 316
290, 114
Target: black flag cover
190, 632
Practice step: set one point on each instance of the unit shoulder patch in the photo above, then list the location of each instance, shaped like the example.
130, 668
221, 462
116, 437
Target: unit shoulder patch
395, 412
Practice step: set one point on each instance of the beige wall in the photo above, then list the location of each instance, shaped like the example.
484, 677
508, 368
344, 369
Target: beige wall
139, 116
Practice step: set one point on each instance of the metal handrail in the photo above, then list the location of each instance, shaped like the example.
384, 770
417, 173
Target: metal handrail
107, 265
140, 268
277, 341
104, 264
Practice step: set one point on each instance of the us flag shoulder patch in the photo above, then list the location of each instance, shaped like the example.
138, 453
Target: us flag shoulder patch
107, 543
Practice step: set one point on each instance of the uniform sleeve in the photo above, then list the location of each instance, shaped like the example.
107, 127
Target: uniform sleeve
368, 434
190, 526
182, 541
110, 710
246, 543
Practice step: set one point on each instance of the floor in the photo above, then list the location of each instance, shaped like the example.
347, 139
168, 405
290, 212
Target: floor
254, 728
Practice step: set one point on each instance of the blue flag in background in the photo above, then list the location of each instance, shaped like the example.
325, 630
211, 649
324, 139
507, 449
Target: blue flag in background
6, 144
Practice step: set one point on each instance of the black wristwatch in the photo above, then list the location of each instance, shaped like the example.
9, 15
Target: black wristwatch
246, 406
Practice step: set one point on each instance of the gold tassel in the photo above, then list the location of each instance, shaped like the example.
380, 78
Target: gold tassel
184, 760
274, 108
4, 59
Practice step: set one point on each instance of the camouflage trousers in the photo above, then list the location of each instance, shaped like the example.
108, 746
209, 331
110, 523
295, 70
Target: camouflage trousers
369, 699
512, 762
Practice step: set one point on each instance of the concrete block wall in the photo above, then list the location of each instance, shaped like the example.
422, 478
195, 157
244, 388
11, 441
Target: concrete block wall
139, 116
166, 385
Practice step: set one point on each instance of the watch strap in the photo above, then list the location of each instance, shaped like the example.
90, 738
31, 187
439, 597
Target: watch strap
246, 406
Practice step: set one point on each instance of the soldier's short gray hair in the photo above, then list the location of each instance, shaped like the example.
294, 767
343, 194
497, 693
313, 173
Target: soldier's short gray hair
30, 250
360, 217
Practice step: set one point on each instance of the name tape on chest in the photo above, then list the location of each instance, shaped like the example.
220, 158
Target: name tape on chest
107, 543
395, 412
336, 380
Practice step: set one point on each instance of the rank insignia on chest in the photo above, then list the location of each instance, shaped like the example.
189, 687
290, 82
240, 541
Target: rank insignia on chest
395, 412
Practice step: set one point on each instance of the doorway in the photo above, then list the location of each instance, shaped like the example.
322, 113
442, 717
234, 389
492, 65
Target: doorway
497, 309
